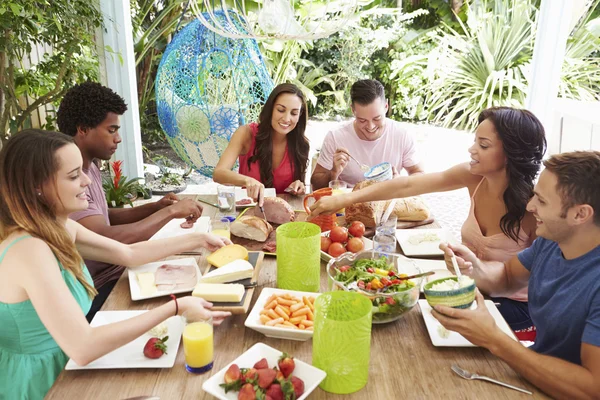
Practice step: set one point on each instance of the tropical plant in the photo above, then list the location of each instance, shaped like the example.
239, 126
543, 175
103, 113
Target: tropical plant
67, 28
485, 67
120, 191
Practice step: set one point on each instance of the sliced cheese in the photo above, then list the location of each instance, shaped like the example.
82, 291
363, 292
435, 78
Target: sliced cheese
227, 254
146, 282
234, 271
225, 292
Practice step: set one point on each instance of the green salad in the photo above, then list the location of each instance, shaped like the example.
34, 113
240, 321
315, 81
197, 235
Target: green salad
377, 279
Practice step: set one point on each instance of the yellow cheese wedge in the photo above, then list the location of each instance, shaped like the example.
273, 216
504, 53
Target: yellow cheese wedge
227, 254
146, 282
225, 292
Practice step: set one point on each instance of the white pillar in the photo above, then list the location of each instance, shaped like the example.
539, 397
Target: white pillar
554, 22
121, 77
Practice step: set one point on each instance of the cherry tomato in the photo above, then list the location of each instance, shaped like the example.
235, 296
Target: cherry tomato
357, 229
355, 245
339, 234
325, 243
336, 249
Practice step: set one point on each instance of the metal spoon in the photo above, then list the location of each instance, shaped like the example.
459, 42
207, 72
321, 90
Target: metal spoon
363, 167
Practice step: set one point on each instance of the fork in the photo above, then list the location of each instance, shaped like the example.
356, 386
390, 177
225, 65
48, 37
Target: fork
468, 375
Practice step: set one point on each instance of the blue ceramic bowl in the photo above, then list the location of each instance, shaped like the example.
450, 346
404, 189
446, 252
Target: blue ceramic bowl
456, 298
380, 172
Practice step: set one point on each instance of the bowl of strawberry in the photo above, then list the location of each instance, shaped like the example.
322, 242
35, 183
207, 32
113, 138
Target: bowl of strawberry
384, 278
340, 240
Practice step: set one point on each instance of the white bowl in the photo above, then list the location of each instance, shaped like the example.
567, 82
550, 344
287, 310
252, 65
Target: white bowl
311, 376
253, 320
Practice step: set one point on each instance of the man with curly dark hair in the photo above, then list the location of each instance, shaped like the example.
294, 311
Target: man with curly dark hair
90, 113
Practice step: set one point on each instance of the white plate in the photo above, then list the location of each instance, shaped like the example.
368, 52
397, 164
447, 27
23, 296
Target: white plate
326, 257
132, 354
311, 376
241, 193
430, 248
173, 228
454, 339
134, 287
253, 320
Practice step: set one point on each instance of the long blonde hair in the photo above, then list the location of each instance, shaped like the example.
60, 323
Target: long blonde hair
27, 162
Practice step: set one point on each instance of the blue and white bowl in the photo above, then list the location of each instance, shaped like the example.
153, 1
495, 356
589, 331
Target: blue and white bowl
380, 172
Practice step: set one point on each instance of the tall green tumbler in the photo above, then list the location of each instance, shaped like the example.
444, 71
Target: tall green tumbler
342, 340
298, 256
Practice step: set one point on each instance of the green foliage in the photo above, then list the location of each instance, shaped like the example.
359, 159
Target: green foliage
65, 27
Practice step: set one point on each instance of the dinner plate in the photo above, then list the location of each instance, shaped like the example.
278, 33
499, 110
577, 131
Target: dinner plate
407, 239
241, 193
455, 339
173, 228
131, 355
311, 376
134, 287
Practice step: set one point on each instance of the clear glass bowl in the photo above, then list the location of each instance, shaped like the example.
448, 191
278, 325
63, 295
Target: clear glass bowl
403, 301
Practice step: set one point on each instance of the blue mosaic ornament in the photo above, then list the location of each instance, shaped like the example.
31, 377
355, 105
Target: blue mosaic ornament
206, 87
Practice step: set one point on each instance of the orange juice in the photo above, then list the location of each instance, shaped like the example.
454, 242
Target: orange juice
222, 232
198, 346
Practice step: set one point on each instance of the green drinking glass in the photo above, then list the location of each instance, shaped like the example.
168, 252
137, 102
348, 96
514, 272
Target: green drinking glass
298, 256
342, 340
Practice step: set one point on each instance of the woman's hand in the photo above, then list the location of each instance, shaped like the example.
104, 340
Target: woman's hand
196, 308
296, 188
256, 190
326, 205
214, 242
465, 258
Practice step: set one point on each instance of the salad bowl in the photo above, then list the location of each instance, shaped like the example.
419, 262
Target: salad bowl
378, 276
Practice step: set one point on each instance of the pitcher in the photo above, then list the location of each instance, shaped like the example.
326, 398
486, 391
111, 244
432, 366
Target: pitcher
325, 222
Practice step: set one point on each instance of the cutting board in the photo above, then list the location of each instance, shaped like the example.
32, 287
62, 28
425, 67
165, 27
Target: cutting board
255, 258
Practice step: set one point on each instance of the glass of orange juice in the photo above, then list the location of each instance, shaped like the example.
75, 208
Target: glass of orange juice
220, 227
198, 344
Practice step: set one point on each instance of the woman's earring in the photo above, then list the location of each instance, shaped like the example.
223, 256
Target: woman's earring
39, 193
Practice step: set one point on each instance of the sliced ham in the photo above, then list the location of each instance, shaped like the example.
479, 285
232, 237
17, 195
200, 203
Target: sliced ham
188, 223
270, 246
244, 202
170, 277
251, 227
278, 211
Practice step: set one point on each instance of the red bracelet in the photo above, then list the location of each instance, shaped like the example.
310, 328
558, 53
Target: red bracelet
176, 304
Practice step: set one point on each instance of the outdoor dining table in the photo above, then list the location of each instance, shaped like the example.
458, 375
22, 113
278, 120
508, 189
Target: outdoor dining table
403, 364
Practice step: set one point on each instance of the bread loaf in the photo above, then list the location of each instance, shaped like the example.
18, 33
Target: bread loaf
406, 209
250, 227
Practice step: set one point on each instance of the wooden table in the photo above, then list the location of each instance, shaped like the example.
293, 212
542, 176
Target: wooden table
404, 363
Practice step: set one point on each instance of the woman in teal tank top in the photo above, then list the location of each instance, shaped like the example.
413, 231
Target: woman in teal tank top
46, 290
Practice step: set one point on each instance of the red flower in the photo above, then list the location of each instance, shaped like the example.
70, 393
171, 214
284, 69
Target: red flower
116, 166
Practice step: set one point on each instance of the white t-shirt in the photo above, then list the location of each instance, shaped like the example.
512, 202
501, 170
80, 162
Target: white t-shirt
395, 146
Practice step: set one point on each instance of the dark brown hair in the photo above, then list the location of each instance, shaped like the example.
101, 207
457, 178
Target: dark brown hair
578, 175
298, 145
27, 162
366, 91
524, 144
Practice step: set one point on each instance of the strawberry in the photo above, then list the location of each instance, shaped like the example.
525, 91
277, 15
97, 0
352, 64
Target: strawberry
286, 364
247, 392
298, 386
275, 392
155, 347
233, 374
249, 375
262, 364
266, 377
279, 377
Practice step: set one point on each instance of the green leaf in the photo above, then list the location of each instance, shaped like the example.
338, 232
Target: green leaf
15, 8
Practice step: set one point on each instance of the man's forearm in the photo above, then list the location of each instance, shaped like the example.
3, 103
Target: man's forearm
320, 180
140, 230
559, 378
492, 279
120, 216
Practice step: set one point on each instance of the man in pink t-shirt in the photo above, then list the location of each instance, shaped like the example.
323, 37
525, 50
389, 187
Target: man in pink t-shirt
371, 139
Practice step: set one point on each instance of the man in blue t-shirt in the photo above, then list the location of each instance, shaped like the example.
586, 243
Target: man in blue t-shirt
561, 270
